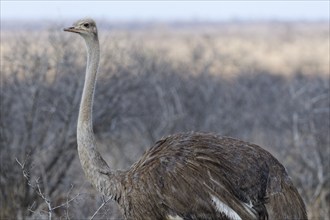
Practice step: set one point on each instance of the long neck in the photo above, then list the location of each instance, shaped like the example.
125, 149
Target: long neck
86, 104
96, 169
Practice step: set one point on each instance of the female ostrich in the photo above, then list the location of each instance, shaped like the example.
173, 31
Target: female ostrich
185, 176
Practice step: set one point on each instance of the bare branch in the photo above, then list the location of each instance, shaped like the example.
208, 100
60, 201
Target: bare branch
100, 207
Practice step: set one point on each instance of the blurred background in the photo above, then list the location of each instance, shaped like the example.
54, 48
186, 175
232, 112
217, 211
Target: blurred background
254, 70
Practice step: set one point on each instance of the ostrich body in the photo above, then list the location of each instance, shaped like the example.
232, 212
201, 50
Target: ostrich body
188, 175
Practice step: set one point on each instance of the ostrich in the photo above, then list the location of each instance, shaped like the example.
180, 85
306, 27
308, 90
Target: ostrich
186, 175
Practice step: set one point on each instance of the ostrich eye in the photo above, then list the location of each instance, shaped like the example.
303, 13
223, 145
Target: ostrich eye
86, 25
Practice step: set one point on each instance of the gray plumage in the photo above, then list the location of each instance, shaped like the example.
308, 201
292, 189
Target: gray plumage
188, 175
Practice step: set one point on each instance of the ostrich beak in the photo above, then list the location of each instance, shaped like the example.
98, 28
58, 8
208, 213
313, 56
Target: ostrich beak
72, 29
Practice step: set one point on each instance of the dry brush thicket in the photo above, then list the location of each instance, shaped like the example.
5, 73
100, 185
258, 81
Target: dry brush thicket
264, 83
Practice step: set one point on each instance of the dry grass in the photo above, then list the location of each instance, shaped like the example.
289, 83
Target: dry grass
264, 83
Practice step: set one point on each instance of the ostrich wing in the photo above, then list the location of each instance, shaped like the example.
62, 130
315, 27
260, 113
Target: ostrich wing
201, 176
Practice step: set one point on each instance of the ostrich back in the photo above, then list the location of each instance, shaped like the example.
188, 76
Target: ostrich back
203, 176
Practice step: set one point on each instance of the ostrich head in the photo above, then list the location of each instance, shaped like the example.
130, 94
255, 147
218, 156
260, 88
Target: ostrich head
84, 27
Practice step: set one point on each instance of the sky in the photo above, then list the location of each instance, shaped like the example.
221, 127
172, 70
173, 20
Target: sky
310, 10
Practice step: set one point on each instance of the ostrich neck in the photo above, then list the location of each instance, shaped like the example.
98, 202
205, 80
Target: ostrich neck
85, 135
86, 105
96, 169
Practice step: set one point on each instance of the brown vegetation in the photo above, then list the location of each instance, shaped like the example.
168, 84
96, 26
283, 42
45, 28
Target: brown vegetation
267, 84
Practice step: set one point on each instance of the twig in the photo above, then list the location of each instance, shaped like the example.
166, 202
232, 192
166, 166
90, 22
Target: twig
37, 189
67, 202
103, 203
47, 201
